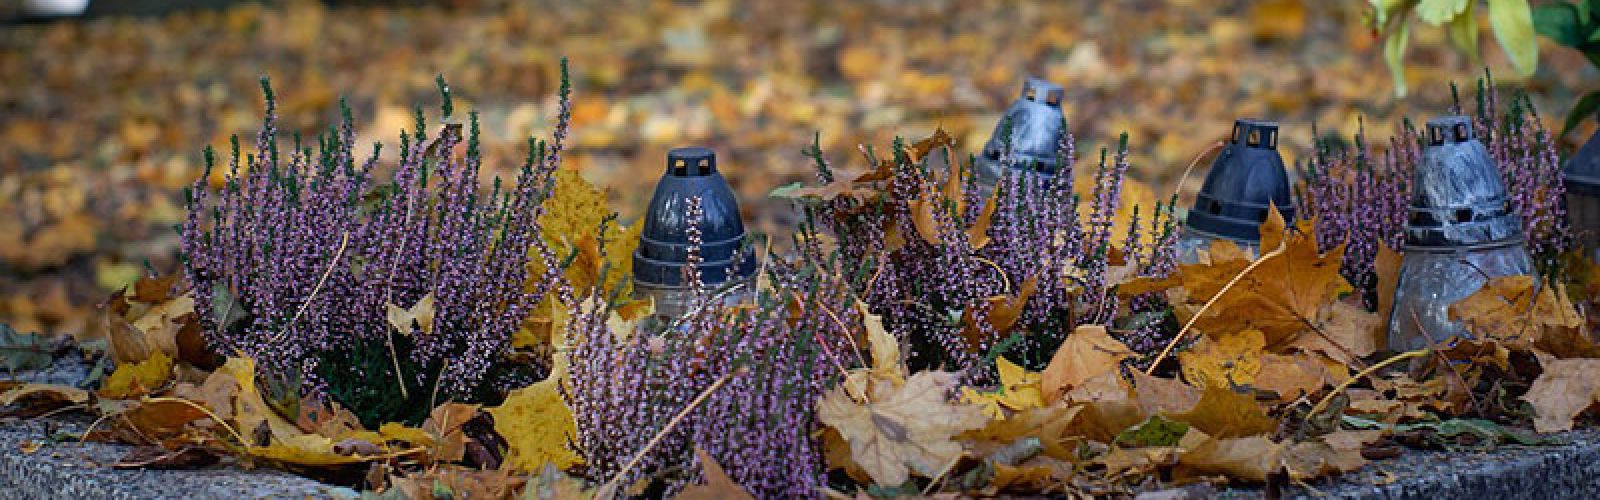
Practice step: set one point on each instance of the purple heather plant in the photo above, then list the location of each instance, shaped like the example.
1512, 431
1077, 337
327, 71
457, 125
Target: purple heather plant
1360, 199
924, 289
296, 259
760, 369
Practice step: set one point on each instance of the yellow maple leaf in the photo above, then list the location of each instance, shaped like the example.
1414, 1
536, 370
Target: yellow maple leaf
537, 425
1226, 360
1019, 390
135, 379
571, 223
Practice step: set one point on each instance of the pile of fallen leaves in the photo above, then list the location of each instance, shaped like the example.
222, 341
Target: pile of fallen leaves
1278, 378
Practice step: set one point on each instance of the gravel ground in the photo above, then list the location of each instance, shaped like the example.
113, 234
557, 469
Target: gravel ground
82, 471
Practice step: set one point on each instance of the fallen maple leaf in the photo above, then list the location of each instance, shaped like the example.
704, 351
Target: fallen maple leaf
1087, 353
903, 430
717, 485
132, 380
1163, 395
1224, 413
1516, 310
924, 214
1224, 360
444, 427
1565, 389
1296, 375
1283, 296
885, 349
538, 425
1019, 390
419, 315
978, 232
1250, 458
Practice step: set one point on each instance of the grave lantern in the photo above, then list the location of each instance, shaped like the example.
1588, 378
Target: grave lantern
1245, 179
661, 264
1582, 174
1460, 232
1034, 126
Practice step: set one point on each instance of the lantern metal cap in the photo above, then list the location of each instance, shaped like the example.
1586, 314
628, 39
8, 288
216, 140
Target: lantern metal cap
691, 162
1457, 198
1582, 171
664, 243
1035, 126
1245, 179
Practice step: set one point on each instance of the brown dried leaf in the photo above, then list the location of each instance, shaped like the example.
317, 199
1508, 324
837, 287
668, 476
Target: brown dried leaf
1088, 353
904, 430
1224, 413
717, 485
1566, 389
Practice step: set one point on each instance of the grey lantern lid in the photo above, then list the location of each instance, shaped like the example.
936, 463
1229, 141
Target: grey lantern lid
1582, 171
1457, 198
664, 242
1245, 179
1035, 124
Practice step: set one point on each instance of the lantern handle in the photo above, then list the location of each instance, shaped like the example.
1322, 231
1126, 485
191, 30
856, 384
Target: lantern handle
1204, 153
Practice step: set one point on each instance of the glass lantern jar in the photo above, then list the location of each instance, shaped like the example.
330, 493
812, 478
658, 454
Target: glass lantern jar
1460, 233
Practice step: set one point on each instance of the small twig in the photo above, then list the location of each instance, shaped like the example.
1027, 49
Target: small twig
846, 331
1003, 277
942, 471
843, 373
344, 240
670, 425
1282, 245
1323, 404
1444, 362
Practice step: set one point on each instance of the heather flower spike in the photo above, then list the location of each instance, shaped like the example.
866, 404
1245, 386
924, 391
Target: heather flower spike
693, 236
299, 260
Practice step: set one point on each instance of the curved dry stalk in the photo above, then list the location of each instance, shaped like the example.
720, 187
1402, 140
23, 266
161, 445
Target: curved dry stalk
1282, 246
1003, 277
1323, 404
344, 240
846, 331
1186, 170
670, 425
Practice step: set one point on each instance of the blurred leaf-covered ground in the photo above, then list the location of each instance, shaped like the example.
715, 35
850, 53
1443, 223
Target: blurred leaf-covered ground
102, 121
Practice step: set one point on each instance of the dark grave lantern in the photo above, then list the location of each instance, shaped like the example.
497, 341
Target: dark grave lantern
1582, 175
1245, 180
661, 263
